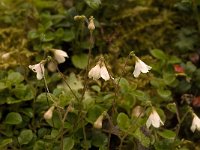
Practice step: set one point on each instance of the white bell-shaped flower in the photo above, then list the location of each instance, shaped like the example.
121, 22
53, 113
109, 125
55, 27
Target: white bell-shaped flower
154, 120
99, 71
95, 72
49, 113
38, 69
140, 66
60, 55
195, 123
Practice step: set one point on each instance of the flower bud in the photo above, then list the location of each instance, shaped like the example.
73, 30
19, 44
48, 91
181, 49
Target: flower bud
98, 122
138, 111
82, 17
49, 113
70, 108
5, 56
51, 66
91, 25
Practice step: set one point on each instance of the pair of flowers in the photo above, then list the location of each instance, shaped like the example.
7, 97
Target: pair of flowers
154, 120
100, 70
59, 56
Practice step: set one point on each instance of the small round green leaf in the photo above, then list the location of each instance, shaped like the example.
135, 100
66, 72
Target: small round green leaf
13, 118
159, 54
25, 137
68, 143
15, 77
80, 61
123, 121
164, 93
168, 134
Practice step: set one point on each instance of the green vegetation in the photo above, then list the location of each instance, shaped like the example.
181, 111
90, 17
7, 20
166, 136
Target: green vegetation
68, 105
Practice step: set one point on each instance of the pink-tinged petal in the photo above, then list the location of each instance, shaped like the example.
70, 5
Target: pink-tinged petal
38, 69
60, 56
61, 53
104, 73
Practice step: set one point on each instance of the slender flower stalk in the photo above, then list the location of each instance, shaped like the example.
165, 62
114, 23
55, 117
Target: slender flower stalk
154, 120
38, 69
195, 123
140, 66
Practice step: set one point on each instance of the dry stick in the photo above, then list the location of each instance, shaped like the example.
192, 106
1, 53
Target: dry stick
86, 82
64, 78
66, 112
47, 91
126, 134
180, 121
62, 127
116, 92
61, 131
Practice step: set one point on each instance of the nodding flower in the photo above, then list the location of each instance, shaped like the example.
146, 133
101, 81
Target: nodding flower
60, 55
140, 66
38, 69
195, 123
99, 71
154, 120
